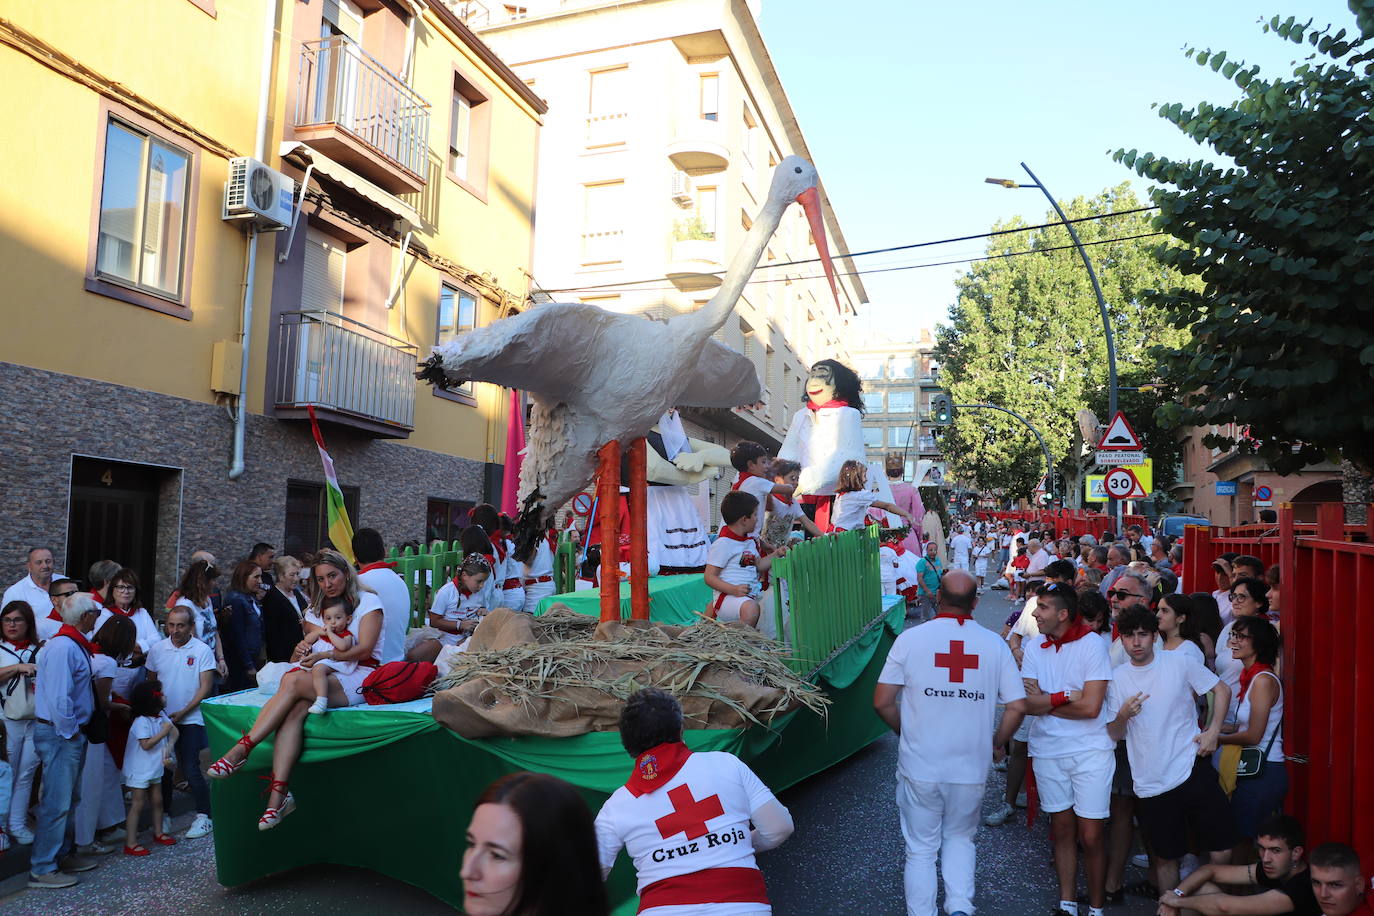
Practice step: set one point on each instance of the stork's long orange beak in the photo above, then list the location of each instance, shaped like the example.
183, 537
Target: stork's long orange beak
810, 199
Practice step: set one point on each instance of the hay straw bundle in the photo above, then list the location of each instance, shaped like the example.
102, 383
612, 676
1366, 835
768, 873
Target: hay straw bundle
577, 674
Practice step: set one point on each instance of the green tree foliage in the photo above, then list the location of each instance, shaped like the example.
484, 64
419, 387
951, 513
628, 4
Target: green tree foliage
1282, 327
1025, 333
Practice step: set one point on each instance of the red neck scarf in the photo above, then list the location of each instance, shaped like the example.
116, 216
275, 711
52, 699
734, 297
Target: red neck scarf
1248, 675
22, 644
344, 635
123, 612
896, 546
656, 766
1076, 631
833, 402
53, 615
785, 500
380, 564
729, 534
739, 481
458, 584
95, 594
962, 618
81, 640
500, 548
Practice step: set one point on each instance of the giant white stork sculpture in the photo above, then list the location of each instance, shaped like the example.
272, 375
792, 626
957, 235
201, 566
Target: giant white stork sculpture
596, 376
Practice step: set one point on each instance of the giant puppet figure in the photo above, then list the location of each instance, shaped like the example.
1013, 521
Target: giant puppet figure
826, 433
906, 496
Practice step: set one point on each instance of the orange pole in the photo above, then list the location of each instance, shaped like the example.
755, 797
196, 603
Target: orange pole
639, 530
608, 499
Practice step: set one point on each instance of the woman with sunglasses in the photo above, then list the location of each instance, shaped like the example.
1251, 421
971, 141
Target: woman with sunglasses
1249, 598
18, 669
1254, 643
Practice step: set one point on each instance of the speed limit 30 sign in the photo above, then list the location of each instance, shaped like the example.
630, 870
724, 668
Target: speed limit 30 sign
1120, 483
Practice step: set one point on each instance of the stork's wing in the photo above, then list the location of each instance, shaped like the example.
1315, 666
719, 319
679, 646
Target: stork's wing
545, 349
720, 377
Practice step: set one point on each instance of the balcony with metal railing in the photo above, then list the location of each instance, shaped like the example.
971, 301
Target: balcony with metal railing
358, 112
351, 373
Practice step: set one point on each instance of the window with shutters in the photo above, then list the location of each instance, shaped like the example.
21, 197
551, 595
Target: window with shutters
608, 106
873, 437
603, 222
307, 516
901, 401
322, 281
710, 96
469, 136
140, 248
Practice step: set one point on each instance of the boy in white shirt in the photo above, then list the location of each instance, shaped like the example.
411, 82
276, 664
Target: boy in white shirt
1151, 704
751, 460
1066, 677
736, 559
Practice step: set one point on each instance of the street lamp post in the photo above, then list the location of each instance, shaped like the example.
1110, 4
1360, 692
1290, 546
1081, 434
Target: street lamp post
1113, 505
1049, 462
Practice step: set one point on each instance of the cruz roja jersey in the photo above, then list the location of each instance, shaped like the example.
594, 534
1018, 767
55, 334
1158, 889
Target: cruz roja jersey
690, 838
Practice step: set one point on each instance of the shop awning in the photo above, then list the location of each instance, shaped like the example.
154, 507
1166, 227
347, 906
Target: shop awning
304, 155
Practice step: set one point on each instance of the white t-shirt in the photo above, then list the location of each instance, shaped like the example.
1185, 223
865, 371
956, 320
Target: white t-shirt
1026, 626
32, 594
952, 676
959, 547
1223, 596
850, 508
1067, 668
1190, 649
1229, 668
179, 670
203, 618
761, 488
1038, 562
452, 603
395, 598
712, 780
140, 765
368, 602
1159, 739
738, 560
887, 569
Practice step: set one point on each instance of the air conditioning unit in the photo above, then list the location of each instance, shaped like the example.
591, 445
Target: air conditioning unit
682, 190
260, 194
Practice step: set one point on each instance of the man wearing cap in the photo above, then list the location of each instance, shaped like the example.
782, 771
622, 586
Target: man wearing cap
939, 690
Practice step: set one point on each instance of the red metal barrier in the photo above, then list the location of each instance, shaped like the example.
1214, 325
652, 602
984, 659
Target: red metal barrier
1327, 613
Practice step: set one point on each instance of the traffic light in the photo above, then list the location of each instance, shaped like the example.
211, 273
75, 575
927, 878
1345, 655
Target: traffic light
941, 410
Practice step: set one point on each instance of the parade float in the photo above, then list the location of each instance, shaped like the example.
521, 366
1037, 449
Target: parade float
391, 788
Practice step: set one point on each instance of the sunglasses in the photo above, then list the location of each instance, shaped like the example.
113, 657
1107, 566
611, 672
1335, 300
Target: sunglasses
65, 594
1121, 593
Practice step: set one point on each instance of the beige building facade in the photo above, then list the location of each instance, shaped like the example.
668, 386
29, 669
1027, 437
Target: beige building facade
900, 378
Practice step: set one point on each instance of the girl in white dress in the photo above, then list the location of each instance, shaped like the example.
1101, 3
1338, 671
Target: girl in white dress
321, 661
854, 499
147, 754
981, 554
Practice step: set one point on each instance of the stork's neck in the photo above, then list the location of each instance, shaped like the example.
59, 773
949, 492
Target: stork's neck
708, 319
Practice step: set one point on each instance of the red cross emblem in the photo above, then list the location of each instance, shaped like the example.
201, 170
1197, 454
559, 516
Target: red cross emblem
956, 661
689, 816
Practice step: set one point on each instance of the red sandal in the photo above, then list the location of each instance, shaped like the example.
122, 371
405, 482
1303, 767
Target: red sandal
138, 850
273, 816
222, 768
163, 839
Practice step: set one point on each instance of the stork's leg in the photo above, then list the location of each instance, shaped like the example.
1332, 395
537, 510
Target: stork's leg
608, 496
639, 530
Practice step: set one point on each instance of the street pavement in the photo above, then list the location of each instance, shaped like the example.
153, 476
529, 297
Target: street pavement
844, 858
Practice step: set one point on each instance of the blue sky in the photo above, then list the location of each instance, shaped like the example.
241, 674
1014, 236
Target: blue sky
907, 105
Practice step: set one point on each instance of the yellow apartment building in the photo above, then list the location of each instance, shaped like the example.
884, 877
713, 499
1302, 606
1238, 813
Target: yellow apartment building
230, 210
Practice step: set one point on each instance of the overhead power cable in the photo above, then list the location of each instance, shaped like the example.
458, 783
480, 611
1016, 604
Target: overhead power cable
885, 270
861, 254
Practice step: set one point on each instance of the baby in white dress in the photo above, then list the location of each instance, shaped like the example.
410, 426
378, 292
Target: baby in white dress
321, 661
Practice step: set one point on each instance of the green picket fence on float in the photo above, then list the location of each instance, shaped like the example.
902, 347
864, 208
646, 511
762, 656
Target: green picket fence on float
424, 571
834, 590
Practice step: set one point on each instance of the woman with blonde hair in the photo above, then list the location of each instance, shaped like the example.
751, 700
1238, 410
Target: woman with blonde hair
287, 710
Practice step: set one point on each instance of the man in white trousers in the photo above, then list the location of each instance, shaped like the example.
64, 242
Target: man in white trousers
939, 690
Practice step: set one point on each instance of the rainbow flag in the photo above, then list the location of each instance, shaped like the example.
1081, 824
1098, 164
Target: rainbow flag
340, 529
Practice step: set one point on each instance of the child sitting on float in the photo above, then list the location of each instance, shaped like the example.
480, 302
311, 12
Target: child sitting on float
321, 661
458, 608
853, 499
736, 560
756, 479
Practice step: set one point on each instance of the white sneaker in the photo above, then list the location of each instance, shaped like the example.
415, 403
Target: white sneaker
200, 827
319, 706
997, 818
1140, 860
1020, 799
166, 825
21, 835
1001, 765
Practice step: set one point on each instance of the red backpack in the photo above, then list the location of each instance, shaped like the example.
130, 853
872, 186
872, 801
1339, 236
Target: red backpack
398, 682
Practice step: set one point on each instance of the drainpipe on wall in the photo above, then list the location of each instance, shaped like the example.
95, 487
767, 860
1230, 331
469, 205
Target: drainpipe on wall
269, 27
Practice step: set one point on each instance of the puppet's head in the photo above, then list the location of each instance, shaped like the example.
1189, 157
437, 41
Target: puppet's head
831, 380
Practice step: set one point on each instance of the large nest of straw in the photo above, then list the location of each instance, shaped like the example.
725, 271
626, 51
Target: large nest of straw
566, 674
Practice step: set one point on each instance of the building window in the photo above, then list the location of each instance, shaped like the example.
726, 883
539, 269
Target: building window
710, 96
901, 401
307, 516
457, 316
706, 211
871, 369
603, 223
873, 437
324, 267
873, 400
143, 217
903, 368
897, 436
608, 106
445, 519
469, 133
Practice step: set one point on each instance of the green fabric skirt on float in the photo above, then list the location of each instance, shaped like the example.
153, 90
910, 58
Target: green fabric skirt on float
389, 789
